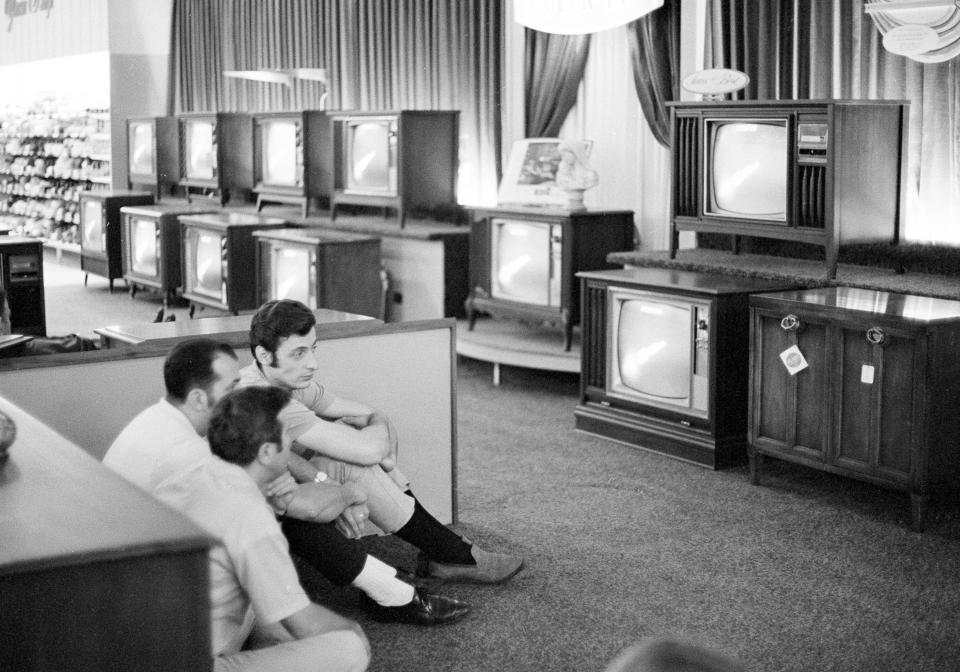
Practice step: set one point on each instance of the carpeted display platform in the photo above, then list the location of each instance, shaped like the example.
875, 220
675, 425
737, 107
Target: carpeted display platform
805, 272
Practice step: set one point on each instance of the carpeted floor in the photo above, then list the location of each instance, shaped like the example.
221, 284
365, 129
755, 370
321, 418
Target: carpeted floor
806, 572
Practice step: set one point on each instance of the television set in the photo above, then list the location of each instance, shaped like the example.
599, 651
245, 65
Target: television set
524, 260
218, 257
151, 246
321, 268
664, 362
100, 231
822, 172
216, 154
293, 157
153, 154
403, 160
21, 275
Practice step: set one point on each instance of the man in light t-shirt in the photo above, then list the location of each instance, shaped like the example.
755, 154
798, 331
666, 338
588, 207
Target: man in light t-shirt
253, 581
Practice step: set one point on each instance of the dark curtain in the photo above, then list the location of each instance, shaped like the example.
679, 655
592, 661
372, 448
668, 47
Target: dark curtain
798, 49
379, 55
554, 66
655, 54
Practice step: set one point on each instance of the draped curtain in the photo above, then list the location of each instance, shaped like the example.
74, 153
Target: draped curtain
831, 49
379, 55
554, 66
654, 41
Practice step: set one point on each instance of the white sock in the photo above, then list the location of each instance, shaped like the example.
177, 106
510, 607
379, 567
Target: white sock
379, 580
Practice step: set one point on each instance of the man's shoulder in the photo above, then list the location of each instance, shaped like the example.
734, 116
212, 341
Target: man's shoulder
252, 375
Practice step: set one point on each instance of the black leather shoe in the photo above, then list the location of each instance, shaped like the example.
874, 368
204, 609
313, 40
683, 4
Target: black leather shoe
424, 609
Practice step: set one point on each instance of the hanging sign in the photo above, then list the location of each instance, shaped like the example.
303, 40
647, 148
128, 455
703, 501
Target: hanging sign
16, 8
911, 40
715, 81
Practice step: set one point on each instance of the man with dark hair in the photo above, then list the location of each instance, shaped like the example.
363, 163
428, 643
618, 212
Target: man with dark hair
260, 616
356, 444
167, 438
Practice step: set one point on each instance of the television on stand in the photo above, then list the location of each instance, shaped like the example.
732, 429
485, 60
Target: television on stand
293, 158
823, 172
524, 260
101, 251
218, 259
402, 160
151, 246
153, 154
216, 154
322, 269
21, 275
665, 361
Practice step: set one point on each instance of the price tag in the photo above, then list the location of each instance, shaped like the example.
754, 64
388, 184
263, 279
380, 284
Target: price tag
866, 374
793, 359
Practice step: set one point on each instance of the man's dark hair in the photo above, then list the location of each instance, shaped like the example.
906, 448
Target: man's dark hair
276, 320
190, 365
244, 420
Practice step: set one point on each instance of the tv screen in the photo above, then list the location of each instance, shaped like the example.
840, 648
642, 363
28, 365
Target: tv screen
140, 143
92, 226
525, 259
658, 350
293, 274
747, 168
203, 253
281, 152
372, 156
199, 145
144, 246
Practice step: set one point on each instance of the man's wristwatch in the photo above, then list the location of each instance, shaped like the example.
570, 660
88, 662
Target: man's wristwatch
320, 477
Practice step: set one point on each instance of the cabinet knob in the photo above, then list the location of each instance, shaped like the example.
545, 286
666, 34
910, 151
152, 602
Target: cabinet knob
876, 336
790, 323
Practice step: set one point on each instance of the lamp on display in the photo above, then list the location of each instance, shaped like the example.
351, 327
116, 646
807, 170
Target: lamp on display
580, 16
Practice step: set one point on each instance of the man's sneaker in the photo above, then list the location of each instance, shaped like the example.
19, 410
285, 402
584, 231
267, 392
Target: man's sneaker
489, 568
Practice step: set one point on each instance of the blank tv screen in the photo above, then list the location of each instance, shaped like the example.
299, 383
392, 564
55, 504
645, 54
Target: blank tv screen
521, 262
747, 171
280, 147
653, 342
370, 162
201, 158
92, 226
291, 274
144, 253
141, 148
207, 264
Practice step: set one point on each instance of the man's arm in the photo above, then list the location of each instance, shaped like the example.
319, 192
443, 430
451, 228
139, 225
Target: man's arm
367, 446
316, 620
320, 502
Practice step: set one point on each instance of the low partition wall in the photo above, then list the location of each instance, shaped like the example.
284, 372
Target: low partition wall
407, 370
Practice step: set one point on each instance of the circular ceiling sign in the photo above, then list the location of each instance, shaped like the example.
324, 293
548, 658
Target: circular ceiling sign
715, 81
911, 40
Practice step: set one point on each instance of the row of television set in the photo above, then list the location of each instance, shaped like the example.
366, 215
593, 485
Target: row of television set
227, 260
402, 160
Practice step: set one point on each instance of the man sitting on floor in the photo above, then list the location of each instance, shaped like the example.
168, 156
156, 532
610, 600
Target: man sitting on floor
355, 444
260, 616
167, 438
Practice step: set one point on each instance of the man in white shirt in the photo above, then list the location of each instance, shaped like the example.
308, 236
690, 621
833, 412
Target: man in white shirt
253, 582
167, 438
352, 443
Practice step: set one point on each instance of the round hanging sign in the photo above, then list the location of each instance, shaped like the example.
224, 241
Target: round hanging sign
715, 81
911, 40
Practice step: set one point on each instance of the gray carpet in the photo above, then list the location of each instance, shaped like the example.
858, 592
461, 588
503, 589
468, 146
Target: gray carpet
806, 572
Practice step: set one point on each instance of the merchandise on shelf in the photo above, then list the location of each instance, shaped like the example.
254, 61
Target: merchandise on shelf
46, 161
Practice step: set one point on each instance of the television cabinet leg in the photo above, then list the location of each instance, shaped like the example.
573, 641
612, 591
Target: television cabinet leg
919, 503
756, 461
259, 203
471, 313
333, 212
496, 374
86, 276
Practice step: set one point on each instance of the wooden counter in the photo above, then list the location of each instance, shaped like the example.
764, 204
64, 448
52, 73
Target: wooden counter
94, 573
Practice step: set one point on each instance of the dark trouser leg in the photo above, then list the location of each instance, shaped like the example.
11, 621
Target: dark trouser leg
434, 538
322, 546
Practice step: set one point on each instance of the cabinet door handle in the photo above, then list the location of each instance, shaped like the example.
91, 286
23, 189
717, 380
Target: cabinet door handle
790, 323
876, 336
